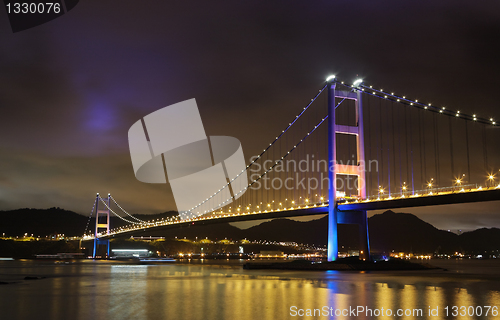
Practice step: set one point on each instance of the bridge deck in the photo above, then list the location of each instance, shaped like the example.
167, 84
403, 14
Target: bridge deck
384, 204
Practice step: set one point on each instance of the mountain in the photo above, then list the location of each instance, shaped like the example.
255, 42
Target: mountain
216, 231
311, 232
406, 232
480, 240
41, 222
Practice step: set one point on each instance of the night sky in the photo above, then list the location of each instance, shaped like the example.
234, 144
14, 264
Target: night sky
70, 89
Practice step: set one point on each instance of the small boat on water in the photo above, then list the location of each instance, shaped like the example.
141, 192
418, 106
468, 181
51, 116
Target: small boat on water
156, 260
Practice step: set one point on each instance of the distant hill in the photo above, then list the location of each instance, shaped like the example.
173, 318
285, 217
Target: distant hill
43, 222
311, 232
388, 231
406, 232
480, 240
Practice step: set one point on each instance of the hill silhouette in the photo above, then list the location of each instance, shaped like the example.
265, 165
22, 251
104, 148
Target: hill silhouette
480, 240
41, 222
406, 232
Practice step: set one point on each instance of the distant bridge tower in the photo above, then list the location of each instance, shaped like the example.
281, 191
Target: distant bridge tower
101, 223
336, 216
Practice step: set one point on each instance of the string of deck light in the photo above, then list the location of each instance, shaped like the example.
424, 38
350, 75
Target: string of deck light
263, 152
276, 162
397, 195
137, 219
141, 226
414, 103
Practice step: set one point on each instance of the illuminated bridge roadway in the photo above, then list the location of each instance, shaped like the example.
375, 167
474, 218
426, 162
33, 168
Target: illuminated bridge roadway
442, 196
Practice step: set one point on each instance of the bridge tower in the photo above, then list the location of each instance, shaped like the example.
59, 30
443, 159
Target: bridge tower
335, 216
101, 223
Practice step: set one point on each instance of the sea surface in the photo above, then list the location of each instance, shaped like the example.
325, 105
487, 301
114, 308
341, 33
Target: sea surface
224, 290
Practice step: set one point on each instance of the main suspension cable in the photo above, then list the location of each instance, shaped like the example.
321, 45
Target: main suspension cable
265, 150
111, 210
137, 219
90, 217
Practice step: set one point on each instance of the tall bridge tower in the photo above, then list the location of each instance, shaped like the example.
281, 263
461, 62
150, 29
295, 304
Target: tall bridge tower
101, 223
335, 216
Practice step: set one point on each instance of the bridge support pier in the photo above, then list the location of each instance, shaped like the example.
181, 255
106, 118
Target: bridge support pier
364, 238
333, 245
360, 218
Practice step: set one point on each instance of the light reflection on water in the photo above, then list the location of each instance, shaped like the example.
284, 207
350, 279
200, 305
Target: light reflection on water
119, 291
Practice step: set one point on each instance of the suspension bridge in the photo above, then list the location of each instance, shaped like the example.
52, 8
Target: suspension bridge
350, 150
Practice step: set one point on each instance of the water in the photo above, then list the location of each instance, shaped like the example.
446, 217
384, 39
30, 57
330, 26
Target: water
102, 290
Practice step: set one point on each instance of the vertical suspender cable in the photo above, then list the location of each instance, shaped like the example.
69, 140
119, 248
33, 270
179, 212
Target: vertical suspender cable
349, 158
316, 152
388, 155
436, 150
273, 176
406, 146
302, 150
368, 170
380, 146
485, 149
422, 150
399, 142
411, 154
451, 148
393, 145
467, 147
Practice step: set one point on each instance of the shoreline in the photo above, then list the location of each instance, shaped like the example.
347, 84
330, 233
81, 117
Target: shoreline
345, 264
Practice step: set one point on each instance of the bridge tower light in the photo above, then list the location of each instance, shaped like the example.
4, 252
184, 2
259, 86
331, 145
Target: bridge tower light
491, 179
357, 83
330, 78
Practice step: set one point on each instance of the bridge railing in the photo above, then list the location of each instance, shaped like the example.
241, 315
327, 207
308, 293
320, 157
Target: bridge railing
429, 192
381, 197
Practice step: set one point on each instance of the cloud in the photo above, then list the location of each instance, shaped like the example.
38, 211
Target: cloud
38, 181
